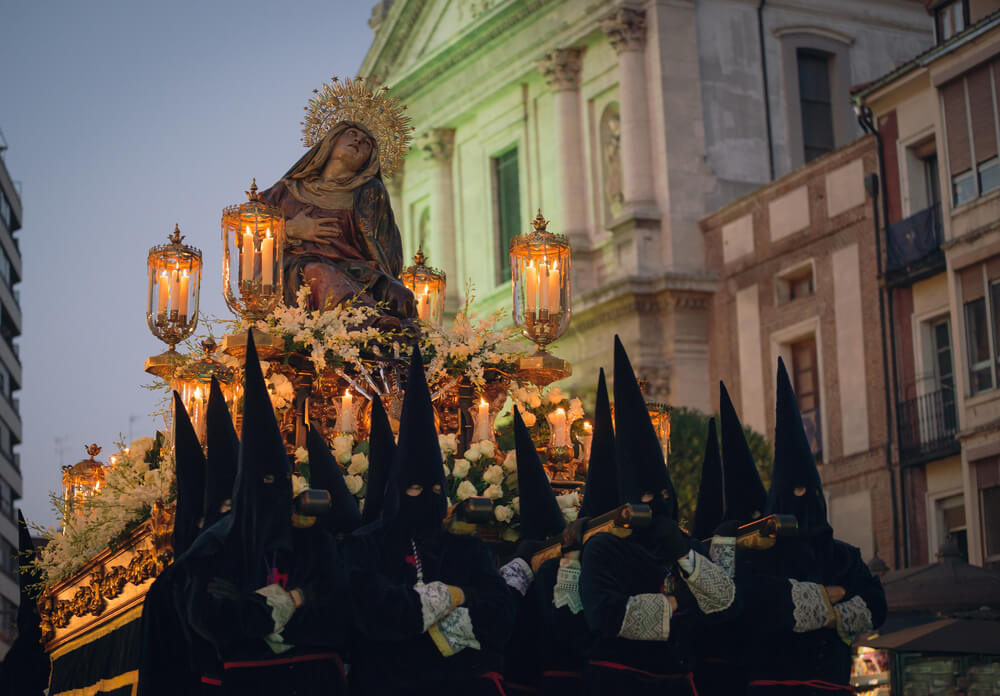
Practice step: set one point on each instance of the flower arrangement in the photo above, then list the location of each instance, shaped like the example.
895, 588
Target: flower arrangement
540, 408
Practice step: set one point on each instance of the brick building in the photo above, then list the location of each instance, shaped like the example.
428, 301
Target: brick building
798, 279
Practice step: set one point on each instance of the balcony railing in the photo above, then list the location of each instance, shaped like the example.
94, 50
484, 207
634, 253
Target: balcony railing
928, 424
913, 247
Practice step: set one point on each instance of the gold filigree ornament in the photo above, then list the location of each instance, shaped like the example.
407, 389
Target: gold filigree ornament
352, 100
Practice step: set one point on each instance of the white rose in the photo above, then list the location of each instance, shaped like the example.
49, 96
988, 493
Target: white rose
473, 453
359, 464
354, 483
493, 474
342, 443
301, 455
529, 419
447, 471
465, 489
516, 504
510, 462
535, 401
523, 395
448, 443
460, 469
569, 514
299, 484
485, 447
503, 513
568, 500
493, 492
555, 395
138, 449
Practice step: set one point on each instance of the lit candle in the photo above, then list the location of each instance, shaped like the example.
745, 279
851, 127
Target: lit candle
543, 286
560, 428
424, 305
182, 299
267, 259
163, 298
554, 277
588, 438
247, 253
482, 422
531, 286
175, 291
345, 420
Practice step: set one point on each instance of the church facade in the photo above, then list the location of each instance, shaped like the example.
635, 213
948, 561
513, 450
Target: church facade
625, 123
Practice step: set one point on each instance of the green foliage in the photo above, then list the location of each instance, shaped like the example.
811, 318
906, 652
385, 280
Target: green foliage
688, 432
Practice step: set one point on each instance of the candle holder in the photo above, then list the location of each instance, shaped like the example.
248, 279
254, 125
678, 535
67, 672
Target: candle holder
427, 285
82, 481
253, 240
540, 271
173, 289
585, 440
193, 382
559, 451
348, 406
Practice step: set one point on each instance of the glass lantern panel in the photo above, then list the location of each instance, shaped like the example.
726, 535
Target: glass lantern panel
173, 289
252, 258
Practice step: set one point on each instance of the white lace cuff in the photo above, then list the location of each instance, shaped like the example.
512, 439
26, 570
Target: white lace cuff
712, 588
687, 562
281, 603
853, 619
647, 617
517, 574
455, 633
723, 554
435, 602
566, 592
811, 606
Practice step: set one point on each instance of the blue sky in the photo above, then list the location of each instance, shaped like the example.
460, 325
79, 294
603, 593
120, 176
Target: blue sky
123, 118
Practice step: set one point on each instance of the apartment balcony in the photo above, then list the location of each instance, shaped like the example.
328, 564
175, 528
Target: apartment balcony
913, 248
928, 424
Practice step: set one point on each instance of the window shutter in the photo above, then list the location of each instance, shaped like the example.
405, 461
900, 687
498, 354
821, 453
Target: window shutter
957, 127
993, 269
984, 133
972, 282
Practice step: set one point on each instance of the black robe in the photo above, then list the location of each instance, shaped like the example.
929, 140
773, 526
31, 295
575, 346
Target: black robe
236, 626
393, 654
565, 637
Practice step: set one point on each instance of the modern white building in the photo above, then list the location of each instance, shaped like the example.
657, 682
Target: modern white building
625, 122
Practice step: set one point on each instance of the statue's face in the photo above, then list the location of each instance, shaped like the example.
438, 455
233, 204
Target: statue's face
352, 148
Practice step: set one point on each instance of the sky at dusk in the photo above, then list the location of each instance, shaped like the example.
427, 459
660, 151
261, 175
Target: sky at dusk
121, 119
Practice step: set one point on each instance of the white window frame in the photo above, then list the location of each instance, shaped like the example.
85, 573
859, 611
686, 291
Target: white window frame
935, 518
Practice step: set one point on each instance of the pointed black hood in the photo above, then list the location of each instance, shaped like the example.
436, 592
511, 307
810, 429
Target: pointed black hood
710, 510
417, 462
25, 669
190, 470
540, 513
381, 452
600, 494
223, 450
745, 495
325, 474
641, 468
794, 466
262, 498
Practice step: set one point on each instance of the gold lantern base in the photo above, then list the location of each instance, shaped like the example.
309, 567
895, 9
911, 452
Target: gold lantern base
543, 368
268, 345
164, 364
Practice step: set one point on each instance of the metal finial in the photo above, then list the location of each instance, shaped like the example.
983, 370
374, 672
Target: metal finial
419, 259
176, 237
540, 223
252, 193
209, 345
93, 450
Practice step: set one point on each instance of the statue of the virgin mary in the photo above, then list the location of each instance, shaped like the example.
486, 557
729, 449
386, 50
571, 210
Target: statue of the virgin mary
341, 236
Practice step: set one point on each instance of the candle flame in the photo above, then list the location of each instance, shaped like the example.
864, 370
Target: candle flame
560, 411
555, 266
482, 402
347, 392
587, 426
267, 233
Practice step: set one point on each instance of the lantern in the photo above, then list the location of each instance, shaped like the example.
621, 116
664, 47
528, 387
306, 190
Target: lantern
540, 272
82, 481
253, 240
559, 451
193, 382
427, 285
173, 289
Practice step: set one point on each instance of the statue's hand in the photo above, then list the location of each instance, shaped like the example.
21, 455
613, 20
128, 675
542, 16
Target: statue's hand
309, 229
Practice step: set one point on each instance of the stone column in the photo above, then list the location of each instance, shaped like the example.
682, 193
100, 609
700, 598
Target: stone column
561, 69
394, 187
439, 146
626, 30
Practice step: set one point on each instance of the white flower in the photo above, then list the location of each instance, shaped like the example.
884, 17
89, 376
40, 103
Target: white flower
510, 462
465, 489
523, 395
301, 455
503, 513
493, 474
448, 443
447, 471
570, 513
493, 492
460, 469
354, 483
299, 484
485, 448
516, 504
575, 411
342, 446
359, 464
529, 419
139, 448
535, 401
567, 500
473, 453
555, 395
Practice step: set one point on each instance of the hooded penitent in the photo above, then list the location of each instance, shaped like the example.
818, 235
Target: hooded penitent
541, 517
417, 462
641, 468
795, 468
25, 669
190, 467
381, 452
745, 495
710, 509
600, 494
325, 474
223, 447
262, 498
